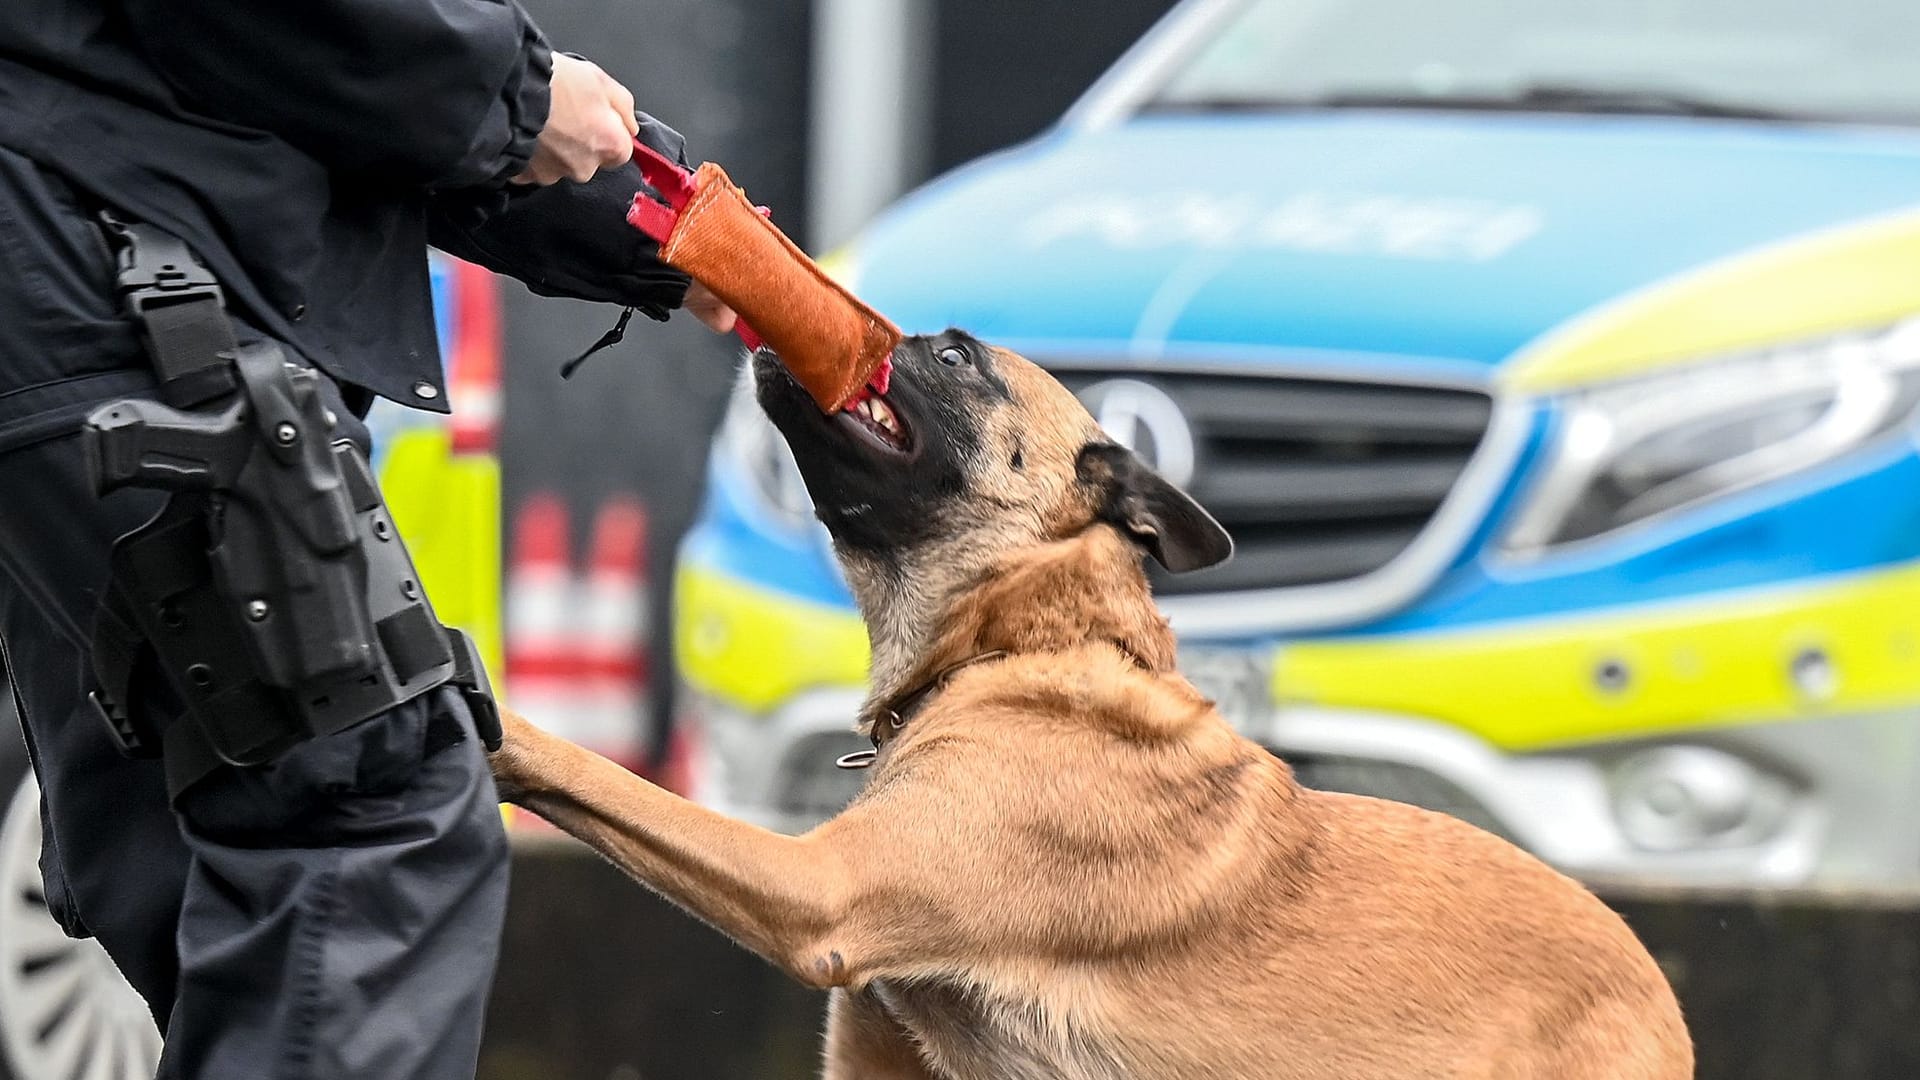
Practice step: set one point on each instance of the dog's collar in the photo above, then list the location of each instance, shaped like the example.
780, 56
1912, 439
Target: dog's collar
893, 714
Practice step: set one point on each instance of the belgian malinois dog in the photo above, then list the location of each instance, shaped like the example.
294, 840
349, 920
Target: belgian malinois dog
1065, 863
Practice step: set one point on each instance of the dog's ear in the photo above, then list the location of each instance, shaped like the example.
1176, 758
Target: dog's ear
1175, 530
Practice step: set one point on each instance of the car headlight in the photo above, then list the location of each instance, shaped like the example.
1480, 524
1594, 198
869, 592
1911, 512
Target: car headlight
749, 441
1637, 449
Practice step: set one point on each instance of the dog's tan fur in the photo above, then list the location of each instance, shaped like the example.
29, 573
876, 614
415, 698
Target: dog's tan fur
1068, 866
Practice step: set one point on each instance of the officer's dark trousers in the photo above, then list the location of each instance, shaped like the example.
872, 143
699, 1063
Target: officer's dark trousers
335, 915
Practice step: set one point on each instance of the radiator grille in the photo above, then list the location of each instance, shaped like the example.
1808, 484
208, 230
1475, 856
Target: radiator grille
1318, 480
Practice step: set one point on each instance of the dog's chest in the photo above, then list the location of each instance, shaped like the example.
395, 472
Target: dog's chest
968, 1036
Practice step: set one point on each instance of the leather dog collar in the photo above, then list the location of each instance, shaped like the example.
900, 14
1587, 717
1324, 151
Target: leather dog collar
904, 707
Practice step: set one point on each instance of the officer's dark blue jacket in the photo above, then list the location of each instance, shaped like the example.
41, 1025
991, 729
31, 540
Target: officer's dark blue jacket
309, 151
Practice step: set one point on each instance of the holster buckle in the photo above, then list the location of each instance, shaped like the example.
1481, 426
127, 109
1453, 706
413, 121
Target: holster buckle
156, 269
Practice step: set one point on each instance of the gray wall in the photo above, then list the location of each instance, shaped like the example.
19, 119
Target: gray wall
1009, 68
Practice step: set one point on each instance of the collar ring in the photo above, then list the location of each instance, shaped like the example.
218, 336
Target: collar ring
859, 759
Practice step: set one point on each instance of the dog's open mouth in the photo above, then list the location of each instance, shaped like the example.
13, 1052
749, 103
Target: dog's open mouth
873, 421
873, 418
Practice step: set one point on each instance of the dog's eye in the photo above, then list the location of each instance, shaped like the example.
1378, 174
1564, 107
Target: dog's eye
953, 356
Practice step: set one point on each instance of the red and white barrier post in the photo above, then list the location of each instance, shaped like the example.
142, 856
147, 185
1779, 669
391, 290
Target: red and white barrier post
612, 700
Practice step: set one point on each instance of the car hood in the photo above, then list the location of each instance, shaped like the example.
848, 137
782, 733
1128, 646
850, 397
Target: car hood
1416, 238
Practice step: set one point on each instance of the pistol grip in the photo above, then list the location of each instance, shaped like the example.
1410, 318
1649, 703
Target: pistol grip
150, 444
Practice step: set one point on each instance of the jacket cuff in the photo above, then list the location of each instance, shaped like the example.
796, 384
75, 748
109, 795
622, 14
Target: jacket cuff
528, 103
504, 144
564, 239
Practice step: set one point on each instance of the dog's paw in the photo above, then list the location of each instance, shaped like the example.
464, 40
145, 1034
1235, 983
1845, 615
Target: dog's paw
512, 764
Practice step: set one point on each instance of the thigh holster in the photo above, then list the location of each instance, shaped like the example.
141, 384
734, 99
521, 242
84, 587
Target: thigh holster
273, 592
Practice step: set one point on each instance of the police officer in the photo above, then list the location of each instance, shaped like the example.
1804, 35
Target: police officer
213, 229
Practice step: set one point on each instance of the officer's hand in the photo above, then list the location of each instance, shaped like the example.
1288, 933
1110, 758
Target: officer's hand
709, 309
590, 125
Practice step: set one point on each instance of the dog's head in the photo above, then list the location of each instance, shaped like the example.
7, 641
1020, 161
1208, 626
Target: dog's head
972, 455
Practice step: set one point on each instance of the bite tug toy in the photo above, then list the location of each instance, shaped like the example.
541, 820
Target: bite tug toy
836, 346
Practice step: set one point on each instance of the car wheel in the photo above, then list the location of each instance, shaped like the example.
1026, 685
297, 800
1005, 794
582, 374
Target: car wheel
65, 1011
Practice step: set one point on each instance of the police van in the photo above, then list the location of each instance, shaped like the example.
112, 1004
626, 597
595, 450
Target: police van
1555, 366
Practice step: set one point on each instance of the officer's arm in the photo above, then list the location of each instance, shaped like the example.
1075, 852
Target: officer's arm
567, 239
441, 93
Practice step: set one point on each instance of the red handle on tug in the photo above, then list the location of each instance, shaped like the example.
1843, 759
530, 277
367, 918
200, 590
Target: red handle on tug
657, 219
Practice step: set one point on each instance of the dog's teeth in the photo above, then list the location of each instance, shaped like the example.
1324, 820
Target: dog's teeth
883, 415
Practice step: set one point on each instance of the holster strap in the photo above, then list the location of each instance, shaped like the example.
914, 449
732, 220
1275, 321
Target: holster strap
178, 305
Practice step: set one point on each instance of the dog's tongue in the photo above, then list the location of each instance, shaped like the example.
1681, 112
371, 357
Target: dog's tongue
838, 348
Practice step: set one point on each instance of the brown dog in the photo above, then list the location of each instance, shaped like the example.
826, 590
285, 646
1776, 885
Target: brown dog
1066, 865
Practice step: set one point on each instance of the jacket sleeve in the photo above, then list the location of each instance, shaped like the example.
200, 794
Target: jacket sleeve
567, 239
439, 93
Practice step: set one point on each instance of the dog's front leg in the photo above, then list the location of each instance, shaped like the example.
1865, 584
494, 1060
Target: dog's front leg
777, 895
916, 880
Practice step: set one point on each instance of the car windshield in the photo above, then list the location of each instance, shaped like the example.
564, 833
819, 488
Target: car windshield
1815, 59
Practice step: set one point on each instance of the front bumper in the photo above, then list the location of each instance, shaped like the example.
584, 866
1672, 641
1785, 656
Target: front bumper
1756, 738
1848, 816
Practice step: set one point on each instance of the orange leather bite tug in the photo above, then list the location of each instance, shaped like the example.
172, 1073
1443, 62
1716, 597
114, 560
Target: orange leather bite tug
833, 343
